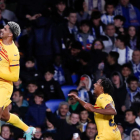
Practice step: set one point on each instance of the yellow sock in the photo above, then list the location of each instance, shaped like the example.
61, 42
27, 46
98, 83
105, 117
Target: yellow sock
14, 120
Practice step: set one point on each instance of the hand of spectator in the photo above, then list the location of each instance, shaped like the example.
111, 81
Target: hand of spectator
123, 108
36, 16
81, 84
28, 16
73, 95
48, 110
76, 138
101, 66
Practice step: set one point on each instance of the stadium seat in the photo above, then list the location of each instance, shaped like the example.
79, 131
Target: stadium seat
66, 90
74, 78
53, 104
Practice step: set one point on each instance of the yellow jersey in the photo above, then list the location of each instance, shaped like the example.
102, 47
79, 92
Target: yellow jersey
105, 123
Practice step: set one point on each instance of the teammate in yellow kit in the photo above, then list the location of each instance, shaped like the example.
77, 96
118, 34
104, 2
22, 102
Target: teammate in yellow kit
104, 110
9, 72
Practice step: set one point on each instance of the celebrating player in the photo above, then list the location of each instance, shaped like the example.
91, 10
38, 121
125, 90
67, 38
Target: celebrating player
9, 72
104, 110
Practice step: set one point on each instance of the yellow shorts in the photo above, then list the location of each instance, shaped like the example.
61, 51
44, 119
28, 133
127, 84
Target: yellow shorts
5, 95
109, 136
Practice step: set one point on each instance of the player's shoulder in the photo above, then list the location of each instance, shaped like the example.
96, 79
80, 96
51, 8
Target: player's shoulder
104, 97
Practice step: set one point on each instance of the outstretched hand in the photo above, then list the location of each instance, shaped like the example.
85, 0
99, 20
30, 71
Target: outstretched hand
73, 95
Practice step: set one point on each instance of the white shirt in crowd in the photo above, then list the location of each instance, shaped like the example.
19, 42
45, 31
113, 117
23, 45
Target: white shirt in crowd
138, 120
107, 19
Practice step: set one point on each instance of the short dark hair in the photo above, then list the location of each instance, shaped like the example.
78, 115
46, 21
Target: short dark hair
73, 90
120, 17
85, 22
84, 55
32, 82
107, 85
47, 135
6, 125
32, 59
95, 15
92, 122
133, 111
50, 69
20, 92
71, 11
114, 55
122, 38
132, 78
39, 94
92, 48
127, 66
110, 24
76, 45
60, 1
109, 3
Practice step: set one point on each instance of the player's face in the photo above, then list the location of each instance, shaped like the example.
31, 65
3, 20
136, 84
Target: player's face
91, 130
5, 32
84, 115
97, 87
38, 133
133, 85
63, 110
5, 132
74, 118
136, 135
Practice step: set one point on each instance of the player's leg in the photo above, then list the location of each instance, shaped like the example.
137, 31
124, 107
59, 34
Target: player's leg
14, 120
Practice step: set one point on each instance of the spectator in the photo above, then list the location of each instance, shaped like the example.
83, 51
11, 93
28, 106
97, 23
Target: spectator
96, 5
50, 127
135, 134
37, 112
130, 124
19, 103
74, 105
18, 85
84, 89
84, 119
135, 63
133, 90
119, 95
97, 26
6, 132
3, 21
110, 38
7, 14
125, 53
119, 22
138, 118
85, 37
133, 40
112, 64
21, 138
63, 110
50, 87
62, 75
48, 136
29, 73
65, 128
91, 131
38, 134
32, 87
131, 13
108, 17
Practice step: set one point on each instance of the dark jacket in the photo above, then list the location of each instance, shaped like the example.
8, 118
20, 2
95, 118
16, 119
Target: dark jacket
43, 40
64, 130
36, 115
52, 90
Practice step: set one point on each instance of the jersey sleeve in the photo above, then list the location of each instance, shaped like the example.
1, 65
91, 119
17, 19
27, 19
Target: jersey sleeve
14, 60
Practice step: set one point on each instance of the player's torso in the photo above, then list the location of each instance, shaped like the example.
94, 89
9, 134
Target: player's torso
6, 55
105, 123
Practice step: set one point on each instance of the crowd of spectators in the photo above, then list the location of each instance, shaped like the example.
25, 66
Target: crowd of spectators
75, 43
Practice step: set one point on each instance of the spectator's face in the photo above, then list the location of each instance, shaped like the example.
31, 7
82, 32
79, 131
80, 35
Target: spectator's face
75, 52
126, 72
118, 43
49, 125
98, 45
91, 130
85, 80
61, 7
85, 29
58, 60
116, 79
124, 2
74, 118
63, 110
135, 135
21, 139
38, 133
73, 100
38, 100
96, 22
84, 115
110, 9
109, 59
29, 64
129, 117
132, 31
136, 56
32, 88
72, 18
16, 97
16, 84
5, 132
118, 22
48, 76
49, 138
2, 5
110, 31
133, 85
120, 128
